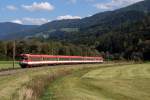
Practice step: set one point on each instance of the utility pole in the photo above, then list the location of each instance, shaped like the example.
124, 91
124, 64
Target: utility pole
5, 48
14, 53
52, 51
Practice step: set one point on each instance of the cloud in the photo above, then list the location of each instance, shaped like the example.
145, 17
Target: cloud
114, 4
17, 21
11, 7
39, 6
68, 17
31, 21
75, 1
103, 6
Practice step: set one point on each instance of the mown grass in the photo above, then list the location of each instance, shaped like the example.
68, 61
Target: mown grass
29, 84
122, 82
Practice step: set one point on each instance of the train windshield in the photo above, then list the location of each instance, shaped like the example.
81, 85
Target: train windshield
23, 58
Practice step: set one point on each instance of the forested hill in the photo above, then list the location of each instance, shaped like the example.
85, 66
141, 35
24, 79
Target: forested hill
140, 6
118, 34
104, 20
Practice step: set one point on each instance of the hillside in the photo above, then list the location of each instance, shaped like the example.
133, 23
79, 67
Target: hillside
140, 6
118, 34
104, 20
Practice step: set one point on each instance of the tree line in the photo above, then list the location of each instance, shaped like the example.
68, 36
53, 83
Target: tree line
40, 47
129, 41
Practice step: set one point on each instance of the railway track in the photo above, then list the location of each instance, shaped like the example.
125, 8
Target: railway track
10, 71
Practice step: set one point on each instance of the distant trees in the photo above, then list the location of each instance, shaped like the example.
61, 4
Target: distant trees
49, 47
115, 39
131, 42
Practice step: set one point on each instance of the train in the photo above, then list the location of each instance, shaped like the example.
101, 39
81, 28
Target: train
32, 60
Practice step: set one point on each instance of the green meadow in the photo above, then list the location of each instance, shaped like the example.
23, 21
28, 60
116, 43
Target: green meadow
121, 82
112, 81
8, 65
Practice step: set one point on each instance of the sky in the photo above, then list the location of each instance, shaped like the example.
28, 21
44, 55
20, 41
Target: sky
37, 12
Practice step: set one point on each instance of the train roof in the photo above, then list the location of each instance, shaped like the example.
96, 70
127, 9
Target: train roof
55, 56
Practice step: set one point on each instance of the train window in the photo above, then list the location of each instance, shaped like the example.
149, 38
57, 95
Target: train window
63, 59
77, 59
23, 58
50, 59
36, 59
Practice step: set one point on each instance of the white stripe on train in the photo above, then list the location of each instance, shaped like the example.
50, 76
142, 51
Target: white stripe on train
60, 62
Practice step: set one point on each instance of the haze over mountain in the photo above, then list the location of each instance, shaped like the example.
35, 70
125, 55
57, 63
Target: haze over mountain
7, 28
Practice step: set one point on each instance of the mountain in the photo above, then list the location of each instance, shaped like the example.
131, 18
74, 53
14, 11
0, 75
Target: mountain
90, 26
27, 31
143, 6
7, 28
118, 34
58, 24
103, 22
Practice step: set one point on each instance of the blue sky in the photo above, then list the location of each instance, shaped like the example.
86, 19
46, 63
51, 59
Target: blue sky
42, 11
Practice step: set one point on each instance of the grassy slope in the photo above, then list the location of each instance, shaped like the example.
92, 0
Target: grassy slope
129, 82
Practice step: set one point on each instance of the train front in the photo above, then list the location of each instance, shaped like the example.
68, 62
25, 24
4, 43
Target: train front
24, 59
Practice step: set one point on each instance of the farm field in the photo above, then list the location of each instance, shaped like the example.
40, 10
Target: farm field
112, 81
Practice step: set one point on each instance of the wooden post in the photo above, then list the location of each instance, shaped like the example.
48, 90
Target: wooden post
5, 48
14, 53
52, 51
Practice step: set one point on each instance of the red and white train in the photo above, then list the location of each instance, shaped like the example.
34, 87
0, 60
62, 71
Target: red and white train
30, 60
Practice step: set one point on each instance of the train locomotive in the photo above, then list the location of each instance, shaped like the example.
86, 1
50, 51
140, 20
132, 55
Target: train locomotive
30, 60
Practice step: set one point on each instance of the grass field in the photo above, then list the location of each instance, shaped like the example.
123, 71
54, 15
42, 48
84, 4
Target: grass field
128, 82
28, 84
8, 64
78, 82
